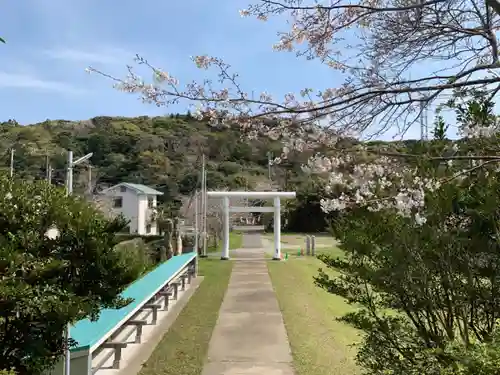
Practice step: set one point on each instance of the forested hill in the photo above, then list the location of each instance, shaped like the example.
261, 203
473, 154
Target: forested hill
164, 152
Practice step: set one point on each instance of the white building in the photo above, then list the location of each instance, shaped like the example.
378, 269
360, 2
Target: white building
137, 203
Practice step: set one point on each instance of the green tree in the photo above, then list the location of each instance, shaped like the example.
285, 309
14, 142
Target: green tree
304, 214
229, 167
440, 128
46, 283
427, 293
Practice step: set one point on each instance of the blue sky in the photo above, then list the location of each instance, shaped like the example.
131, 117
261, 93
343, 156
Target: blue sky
51, 42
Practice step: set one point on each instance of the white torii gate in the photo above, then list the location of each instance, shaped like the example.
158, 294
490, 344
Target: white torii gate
226, 209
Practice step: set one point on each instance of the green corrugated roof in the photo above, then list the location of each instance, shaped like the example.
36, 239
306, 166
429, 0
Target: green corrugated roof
141, 188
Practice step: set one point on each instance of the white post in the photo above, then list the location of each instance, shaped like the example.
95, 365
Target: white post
277, 229
225, 213
196, 223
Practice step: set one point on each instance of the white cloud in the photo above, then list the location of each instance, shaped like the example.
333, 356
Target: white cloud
108, 55
14, 80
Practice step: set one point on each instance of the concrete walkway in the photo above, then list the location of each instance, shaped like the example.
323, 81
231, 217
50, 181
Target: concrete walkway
249, 337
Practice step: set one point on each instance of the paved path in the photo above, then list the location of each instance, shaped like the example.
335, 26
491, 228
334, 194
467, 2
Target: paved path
249, 337
252, 241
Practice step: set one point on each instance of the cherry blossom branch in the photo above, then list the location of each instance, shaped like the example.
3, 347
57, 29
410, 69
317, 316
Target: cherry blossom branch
419, 5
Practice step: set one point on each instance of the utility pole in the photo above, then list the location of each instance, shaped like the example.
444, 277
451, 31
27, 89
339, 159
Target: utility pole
71, 165
90, 179
424, 128
69, 187
196, 221
205, 237
69, 173
48, 169
269, 164
12, 162
203, 207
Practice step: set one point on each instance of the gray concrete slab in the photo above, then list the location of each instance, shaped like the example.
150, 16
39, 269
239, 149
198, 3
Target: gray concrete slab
256, 254
248, 368
251, 271
244, 305
239, 291
252, 240
254, 282
249, 276
249, 337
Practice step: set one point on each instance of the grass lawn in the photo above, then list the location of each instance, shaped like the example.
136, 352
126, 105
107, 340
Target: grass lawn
320, 344
235, 242
184, 347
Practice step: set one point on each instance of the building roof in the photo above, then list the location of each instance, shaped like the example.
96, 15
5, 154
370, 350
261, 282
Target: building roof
141, 189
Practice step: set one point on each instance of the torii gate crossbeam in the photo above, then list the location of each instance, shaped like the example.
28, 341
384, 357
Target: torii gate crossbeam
275, 195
